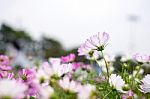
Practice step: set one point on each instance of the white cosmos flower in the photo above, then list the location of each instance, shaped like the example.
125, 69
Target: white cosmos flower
65, 68
46, 92
96, 42
145, 86
11, 89
41, 76
66, 84
55, 67
86, 91
116, 82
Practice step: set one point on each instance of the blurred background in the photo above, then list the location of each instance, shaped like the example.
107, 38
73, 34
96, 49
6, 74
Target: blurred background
52, 28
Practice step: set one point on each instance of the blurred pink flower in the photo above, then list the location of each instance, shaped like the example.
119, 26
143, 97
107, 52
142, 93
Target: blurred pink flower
4, 60
7, 75
4, 63
76, 65
68, 58
33, 90
27, 75
141, 58
5, 68
128, 95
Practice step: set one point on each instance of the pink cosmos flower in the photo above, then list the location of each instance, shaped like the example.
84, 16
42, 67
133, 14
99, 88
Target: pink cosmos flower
5, 74
128, 95
27, 75
33, 90
76, 65
4, 60
96, 42
4, 63
68, 58
5, 68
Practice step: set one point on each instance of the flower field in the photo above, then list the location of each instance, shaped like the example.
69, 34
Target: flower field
64, 78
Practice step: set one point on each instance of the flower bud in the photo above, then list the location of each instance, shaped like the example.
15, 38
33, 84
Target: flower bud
125, 87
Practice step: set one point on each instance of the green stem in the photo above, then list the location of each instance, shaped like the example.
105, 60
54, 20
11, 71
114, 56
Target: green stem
105, 64
107, 94
132, 79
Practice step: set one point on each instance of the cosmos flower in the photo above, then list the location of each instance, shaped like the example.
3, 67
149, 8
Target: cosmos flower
85, 91
12, 89
145, 86
46, 92
4, 60
128, 95
96, 42
4, 63
116, 82
99, 41
41, 76
5, 68
6, 74
56, 68
70, 85
27, 75
141, 58
33, 89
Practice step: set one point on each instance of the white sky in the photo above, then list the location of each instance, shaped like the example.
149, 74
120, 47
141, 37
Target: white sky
72, 21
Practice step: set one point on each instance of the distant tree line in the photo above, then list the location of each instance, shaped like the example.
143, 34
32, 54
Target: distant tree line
22, 41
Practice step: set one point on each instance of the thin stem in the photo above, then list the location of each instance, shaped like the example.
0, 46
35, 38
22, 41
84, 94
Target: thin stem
132, 83
107, 94
105, 64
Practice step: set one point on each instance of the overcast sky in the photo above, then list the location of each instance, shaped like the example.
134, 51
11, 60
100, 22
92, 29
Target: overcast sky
72, 21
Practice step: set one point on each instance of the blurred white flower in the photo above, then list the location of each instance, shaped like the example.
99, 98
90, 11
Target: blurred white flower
55, 61
65, 68
12, 89
116, 82
46, 92
54, 68
41, 76
85, 91
72, 86
145, 86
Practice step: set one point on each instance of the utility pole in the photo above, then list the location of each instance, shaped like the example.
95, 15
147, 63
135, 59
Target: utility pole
133, 20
